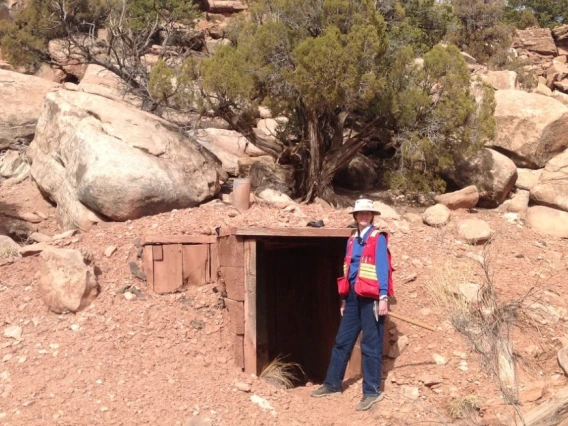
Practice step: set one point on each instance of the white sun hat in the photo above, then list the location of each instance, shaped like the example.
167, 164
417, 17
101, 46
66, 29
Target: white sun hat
364, 205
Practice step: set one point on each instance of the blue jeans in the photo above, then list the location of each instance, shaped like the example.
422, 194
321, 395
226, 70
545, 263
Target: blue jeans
358, 316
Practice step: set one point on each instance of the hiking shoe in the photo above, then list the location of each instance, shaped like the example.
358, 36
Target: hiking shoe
367, 402
323, 391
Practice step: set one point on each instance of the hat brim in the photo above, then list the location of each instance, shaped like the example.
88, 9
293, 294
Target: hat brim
374, 211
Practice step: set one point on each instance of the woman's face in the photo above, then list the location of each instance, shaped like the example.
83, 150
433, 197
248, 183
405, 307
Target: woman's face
363, 219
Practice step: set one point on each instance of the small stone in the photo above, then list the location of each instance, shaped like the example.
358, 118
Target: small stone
245, 387
263, 403
439, 359
109, 251
63, 235
425, 312
128, 295
99, 382
459, 354
104, 409
463, 365
532, 393
6, 357
197, 420
38, 237
22, 359
13, 332
429, 379
410, 392
75, 327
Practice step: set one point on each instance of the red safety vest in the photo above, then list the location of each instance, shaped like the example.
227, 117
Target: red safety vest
366, 283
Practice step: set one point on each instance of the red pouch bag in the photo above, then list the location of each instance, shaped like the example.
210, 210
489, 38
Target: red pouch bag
343, 286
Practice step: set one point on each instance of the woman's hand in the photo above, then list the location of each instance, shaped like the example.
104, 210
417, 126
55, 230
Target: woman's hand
342, 308
383, 307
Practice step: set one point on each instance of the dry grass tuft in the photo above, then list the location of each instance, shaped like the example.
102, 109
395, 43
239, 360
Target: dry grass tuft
464, 407
7, 252
282, 374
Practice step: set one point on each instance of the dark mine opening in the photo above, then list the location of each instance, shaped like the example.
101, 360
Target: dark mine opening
297, 301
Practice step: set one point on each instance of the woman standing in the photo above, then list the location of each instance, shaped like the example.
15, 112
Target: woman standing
364, 288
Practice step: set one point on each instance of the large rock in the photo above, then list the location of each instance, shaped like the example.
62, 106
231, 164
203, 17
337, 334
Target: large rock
265, 173
520, 202
552, 187
536, 40
100, 81
359, 173
527, 178
474, 231
531, 129
491, 172
229, 146
560, 97
501, 80
436, 216
548, 221
67, 280
21, 99
560, 33
465, 198
95, 157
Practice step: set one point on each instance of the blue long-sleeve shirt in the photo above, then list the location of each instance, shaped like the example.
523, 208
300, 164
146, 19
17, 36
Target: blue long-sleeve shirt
382, 264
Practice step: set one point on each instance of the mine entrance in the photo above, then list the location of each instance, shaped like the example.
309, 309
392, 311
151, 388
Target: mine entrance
297, 299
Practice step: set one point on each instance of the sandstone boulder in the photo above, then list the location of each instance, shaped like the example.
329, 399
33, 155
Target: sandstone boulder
502, 80
491, 172
98, 158
520, 202
386, 211
100, 81
474, 231
68, 282
21, 99
359, 173
229, 146
265, 173
562, 85
560, 33
465, 198
527, 178
271, 126
436, 216
531, 129
552, 187
548, 221
562, 357
536, 40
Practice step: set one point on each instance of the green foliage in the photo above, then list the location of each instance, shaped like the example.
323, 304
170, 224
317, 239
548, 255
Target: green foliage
435, 117
545, 13
24, 41
481, 33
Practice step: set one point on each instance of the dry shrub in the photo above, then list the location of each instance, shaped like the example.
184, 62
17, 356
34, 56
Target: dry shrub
8, 252
282, 374
486, 321
461, 408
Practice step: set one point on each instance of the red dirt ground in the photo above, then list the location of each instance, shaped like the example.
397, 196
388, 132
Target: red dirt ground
140, 362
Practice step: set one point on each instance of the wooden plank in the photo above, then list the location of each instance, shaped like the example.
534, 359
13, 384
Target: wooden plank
251, 361
214, 262
157, 253
148, 260
236, 316
195, 264
231, 251
179, 239
287, 232
234, 279
238, 350
168, 275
